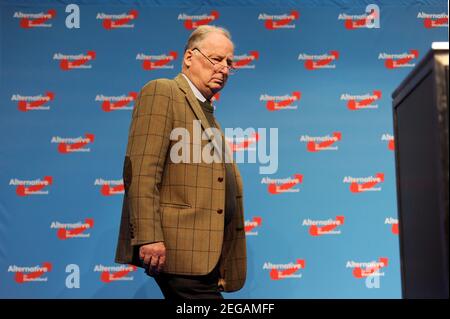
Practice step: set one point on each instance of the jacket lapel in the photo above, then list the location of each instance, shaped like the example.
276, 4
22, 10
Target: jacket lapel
196, 108
192, 100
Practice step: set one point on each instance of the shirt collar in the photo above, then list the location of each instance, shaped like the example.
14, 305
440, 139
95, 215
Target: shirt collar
196, 92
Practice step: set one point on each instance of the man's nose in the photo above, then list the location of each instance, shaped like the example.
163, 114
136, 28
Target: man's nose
225, 70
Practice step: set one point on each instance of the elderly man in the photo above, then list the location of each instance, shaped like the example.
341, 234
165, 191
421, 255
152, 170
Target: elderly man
183, 221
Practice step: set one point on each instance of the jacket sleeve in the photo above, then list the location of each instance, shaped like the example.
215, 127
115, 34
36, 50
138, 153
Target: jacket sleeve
147, 149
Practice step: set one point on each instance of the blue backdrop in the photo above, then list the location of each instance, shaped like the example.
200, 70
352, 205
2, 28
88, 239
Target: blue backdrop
324, 225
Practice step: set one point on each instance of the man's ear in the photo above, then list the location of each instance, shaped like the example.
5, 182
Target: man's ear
188, 58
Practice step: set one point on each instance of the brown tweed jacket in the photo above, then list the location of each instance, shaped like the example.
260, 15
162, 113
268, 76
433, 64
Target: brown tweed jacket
181, 204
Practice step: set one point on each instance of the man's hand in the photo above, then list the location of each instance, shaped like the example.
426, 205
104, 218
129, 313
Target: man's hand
153, 256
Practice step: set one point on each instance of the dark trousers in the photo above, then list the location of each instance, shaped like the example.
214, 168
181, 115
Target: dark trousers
178, 287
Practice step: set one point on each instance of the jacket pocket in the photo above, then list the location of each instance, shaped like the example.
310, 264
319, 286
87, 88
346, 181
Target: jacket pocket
175, 205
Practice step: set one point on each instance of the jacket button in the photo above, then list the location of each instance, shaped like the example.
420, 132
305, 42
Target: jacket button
219, 211
220, 179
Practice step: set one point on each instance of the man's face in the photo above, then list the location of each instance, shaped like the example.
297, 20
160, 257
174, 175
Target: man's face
208, 78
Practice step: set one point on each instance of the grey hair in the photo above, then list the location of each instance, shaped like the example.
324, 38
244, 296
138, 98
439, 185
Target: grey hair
201, 32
